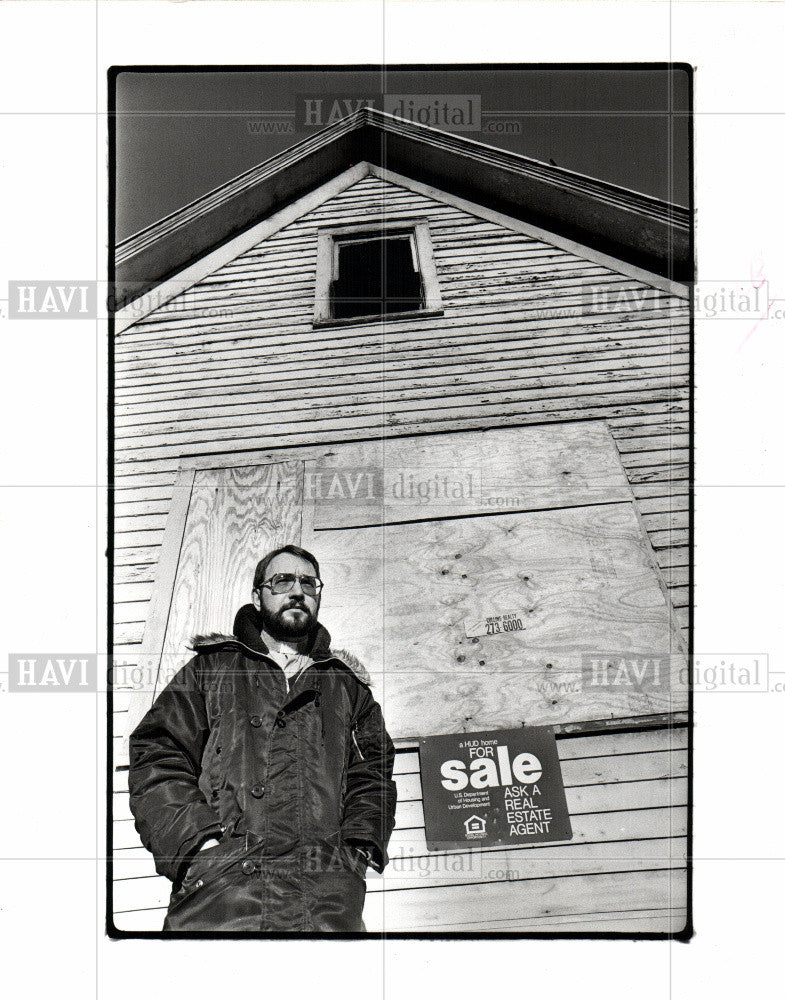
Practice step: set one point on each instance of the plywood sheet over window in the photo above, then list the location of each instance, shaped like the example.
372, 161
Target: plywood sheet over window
540, 525
214, 538
405, 598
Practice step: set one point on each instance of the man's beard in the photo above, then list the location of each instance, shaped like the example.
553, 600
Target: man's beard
274, 623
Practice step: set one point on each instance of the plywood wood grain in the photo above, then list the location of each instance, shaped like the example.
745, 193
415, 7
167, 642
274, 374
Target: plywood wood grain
465, 473
223, 522
235, 516
399, 596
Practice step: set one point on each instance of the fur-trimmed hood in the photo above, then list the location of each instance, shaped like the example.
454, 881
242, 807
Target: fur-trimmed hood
247, 636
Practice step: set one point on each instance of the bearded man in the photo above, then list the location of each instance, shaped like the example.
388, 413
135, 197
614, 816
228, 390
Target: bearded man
261, 778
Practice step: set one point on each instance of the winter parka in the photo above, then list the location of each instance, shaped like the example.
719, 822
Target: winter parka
290, 780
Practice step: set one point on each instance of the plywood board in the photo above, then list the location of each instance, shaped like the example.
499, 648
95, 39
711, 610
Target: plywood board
235, 516
377, 482
399, 598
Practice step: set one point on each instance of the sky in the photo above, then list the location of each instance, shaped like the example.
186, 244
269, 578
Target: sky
182, 133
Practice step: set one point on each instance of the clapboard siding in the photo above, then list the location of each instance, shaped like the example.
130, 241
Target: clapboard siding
235, 365
627, 799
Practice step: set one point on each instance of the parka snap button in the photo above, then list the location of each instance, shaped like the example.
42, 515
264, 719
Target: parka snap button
257, 791
256, 721
247, 867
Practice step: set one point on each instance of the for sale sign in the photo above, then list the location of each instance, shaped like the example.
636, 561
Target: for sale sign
499, 787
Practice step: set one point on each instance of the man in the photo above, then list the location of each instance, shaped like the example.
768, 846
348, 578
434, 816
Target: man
261, 778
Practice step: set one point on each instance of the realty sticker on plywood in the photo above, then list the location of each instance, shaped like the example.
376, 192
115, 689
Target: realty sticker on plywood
502, 786
501, 624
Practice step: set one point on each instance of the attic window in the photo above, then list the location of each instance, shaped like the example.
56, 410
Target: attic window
375, 274
368, 273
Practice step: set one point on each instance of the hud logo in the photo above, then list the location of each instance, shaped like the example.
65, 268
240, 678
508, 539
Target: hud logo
636, 672
52, 300
52, 672
475, 827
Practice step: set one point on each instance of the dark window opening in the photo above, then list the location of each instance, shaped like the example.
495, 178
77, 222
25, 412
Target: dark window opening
374, 275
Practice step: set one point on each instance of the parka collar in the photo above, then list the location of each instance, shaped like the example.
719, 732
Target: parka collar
247, 636
247, 628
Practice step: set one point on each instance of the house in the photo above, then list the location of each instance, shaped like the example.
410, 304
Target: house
530, 394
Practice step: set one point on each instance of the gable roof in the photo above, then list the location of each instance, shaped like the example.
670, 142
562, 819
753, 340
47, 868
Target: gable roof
636, 228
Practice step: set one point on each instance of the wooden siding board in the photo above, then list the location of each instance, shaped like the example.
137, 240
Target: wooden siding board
225, 321
488, 346
508, 373
551, 306
249, 285
548, 321
478, 410
196, 396
244, 344
196, 424
667, 920
628, 857
139, 467
444, 908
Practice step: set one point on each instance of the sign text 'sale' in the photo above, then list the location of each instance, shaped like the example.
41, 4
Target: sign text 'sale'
497, 787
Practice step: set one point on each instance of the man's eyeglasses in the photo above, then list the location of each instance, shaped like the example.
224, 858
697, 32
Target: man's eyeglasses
282, 583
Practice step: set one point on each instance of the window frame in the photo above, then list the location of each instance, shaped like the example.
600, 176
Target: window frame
325, 256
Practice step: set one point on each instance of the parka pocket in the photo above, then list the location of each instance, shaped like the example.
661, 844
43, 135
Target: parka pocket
208, 865
201, 866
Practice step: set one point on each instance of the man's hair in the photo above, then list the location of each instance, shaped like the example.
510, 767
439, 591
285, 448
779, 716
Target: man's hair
264, 562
